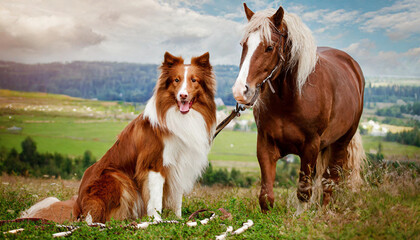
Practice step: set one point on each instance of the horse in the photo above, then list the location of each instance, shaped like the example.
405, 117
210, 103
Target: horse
306, 100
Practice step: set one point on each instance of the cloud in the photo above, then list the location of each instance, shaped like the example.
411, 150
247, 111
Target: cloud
327, 17
325, 22
141, 31
376, 63
187, 3
42, 33
399, 21
133, 31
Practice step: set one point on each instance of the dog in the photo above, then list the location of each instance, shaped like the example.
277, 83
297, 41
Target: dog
157, 158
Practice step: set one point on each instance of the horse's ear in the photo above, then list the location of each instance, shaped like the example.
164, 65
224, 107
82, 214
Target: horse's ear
278, 17
248, 12
171, 60
203, 60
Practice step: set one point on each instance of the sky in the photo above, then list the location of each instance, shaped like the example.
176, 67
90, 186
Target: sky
382, 35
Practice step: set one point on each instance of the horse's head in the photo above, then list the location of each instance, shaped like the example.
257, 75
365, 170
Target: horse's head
263, 56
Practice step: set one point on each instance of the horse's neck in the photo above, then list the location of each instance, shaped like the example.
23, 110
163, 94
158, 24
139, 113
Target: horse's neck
285, 87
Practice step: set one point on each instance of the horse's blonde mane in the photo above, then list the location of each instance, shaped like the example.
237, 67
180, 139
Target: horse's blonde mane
303, 47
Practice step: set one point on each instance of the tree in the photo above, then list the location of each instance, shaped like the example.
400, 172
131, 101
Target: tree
88, 159
3, 157
13, 163
28, 154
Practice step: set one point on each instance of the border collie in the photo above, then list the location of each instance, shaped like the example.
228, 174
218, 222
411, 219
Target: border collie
157, 158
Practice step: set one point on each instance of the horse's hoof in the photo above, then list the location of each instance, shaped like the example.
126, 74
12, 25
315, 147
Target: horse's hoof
328, 187
266, 203
304, 191
326, 199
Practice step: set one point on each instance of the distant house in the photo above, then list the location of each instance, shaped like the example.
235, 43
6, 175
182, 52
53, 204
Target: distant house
375, 129
14, 129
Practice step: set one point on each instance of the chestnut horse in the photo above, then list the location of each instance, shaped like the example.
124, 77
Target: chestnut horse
307, 101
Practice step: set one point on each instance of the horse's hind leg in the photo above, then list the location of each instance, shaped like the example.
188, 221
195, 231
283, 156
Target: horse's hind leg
346, 158
331, 177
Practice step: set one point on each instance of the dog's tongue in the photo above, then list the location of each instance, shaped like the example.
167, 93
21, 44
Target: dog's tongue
184, 106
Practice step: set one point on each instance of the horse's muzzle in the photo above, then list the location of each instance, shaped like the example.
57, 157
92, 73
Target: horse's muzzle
242, 93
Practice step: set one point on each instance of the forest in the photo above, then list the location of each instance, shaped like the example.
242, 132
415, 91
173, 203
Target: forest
130, 82
399, 110
111, 81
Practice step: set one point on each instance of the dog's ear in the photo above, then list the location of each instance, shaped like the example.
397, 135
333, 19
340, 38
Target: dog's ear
171, 60
202, 61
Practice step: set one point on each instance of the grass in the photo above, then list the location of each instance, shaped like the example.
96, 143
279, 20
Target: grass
392, 150
386, 208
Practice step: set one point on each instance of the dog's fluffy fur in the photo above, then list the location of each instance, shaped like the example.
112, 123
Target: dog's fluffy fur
157, 157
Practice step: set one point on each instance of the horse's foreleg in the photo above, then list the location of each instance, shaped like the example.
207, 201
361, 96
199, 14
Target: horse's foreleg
267, 155
307, 164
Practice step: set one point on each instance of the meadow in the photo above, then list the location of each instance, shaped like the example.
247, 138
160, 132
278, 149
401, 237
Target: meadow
386, 207
58, 123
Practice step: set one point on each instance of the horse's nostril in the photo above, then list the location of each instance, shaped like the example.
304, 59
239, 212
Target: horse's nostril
246, 89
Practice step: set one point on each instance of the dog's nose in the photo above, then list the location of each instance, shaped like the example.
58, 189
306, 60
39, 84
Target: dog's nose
183, 95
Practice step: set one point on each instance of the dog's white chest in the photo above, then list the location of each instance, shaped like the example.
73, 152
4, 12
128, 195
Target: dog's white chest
185, 152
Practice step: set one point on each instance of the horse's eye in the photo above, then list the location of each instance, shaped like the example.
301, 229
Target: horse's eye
176, 80
269, 49
193, 79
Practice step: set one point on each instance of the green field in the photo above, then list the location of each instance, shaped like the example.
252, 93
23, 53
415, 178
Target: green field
386, 207
71, 126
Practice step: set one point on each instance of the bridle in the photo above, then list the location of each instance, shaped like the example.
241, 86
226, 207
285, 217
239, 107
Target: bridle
268, 78
241, 107
258, 88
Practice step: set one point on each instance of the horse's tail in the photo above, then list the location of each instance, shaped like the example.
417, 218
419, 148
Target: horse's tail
356, 162
52, 209
352, 169
321, 166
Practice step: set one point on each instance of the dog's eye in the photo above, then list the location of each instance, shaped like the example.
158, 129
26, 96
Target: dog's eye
193, 79
176, 80
269, 49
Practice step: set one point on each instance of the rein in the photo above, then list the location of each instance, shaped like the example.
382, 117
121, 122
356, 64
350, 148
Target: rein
240, 107
235, 113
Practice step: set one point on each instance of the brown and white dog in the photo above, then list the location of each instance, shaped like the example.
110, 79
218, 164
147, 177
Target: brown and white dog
157, 158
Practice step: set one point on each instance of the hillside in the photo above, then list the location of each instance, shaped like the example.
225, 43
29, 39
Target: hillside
131, 82
110, 81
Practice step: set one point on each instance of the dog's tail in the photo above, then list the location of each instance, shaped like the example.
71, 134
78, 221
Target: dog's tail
52, 209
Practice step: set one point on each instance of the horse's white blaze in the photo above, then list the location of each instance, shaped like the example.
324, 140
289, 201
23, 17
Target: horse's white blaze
183, 89
253, 42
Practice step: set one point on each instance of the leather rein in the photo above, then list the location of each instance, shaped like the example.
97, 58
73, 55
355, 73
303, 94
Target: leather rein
240, 107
